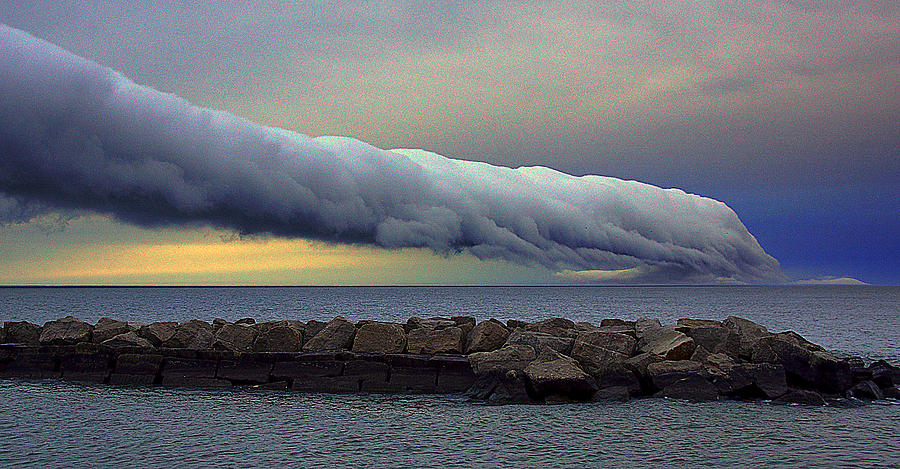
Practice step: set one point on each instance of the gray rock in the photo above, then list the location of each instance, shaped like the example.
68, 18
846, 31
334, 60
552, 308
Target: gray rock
612, 322
769, 379
279, 336
585, 327
235, 337
431, 323
127, 339
2, 335
512, 324
464, 320
158, 332
745, 327
594, 359
665, 373
700, 354
694, 323
802, 397
606, 366
799, 340
434, 341
508, 387
22, 332
380, 337
559, 327
552, 373
511, 357
693, 388
639, 363
815, 369
884, 374
540, 341
621, 343
193, 334
667, 342
336, 335
866, 390
66, 331
747, 331
642, 325
245, 322
107, 328
487, 336
312, 328
713, 338
217, 323
748, 380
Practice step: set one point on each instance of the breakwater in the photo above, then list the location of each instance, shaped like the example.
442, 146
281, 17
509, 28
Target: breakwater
554, 360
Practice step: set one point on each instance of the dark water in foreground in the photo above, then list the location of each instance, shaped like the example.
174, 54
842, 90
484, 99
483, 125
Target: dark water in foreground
55, 424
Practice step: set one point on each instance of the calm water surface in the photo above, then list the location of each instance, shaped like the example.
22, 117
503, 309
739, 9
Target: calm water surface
55, 424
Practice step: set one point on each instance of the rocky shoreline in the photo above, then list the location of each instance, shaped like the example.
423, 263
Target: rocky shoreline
554, 360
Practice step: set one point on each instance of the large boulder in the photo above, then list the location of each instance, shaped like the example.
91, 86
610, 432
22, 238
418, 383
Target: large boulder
692, 323
559, 327
510, 357
66, 331
713, 336
235, 337
158, 332
884, 374
499, 374
593, 357
430, 323
615, 322
804, 367
606, 366
642, 325
745, 327
639, 364
540, 341
279, 336
107, 328
380, 337
747, 380
22, 332
434, 341
127, 339
621, 343
664, 373
194, 334
866, 390
509, 387
487, 336
667, 342
311, 328
336, 335
513, 324
692, 388
747, 331
554, 374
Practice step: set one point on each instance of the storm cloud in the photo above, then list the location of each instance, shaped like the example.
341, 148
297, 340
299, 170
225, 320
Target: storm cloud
75, 135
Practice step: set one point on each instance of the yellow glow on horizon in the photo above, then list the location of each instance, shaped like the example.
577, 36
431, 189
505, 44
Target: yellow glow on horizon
97, 250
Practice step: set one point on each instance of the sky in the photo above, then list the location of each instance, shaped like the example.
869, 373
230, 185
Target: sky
788, 112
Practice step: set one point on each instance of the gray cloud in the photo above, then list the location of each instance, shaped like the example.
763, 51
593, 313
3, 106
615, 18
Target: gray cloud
76, 135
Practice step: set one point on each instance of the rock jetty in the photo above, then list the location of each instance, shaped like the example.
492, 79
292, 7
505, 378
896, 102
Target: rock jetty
554, 360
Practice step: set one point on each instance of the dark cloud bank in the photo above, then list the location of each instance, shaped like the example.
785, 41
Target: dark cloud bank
78, 136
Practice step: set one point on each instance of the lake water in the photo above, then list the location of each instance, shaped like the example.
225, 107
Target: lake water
56, 424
